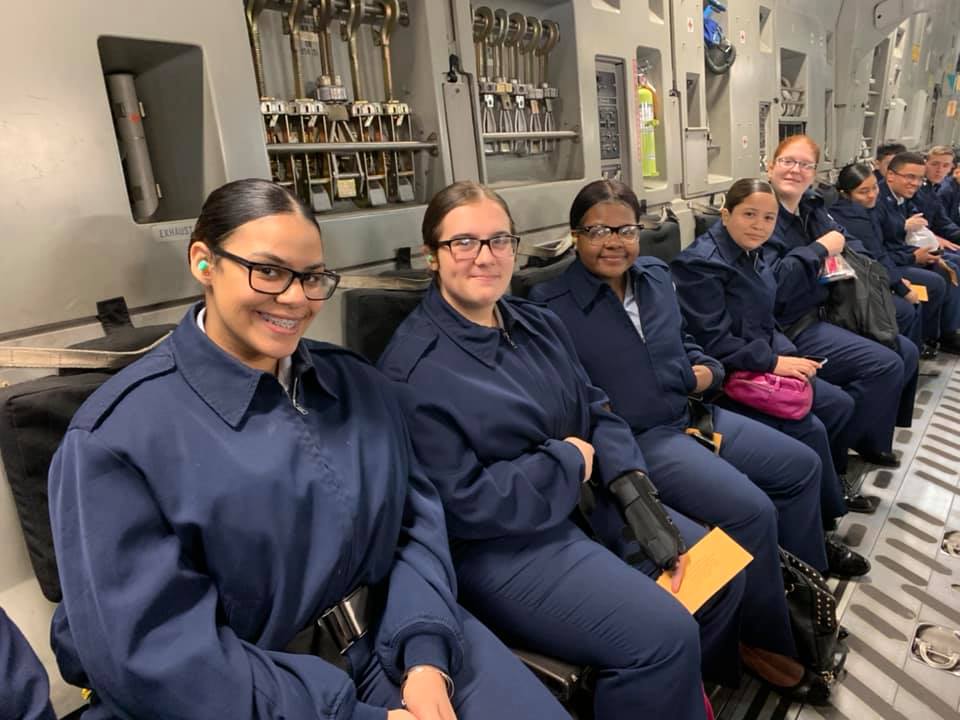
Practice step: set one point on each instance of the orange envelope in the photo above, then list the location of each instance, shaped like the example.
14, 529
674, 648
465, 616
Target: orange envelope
921, 291
713, 562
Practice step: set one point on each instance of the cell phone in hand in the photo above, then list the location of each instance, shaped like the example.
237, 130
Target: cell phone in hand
816, 358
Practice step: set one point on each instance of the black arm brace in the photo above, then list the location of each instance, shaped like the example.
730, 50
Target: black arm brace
658, 536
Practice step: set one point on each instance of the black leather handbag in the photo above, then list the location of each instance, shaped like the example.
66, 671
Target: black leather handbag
813, 617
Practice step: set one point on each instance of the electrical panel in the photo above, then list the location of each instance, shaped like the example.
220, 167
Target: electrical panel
611, 112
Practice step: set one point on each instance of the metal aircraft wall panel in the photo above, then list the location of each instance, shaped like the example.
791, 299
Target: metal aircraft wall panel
69, 235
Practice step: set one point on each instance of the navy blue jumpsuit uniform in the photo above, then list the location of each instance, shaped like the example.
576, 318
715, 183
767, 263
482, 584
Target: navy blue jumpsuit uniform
202, 516
490, 409
881, 381
25, 689
918, 322
727, 298
761, 474
891, 214
949, 195
927, 200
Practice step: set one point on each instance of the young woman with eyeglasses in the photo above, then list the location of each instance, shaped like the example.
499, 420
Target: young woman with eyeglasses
881, 381
506, 423
241, 529
759, 485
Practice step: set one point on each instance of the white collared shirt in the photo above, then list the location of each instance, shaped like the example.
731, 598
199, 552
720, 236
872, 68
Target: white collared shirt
633, 310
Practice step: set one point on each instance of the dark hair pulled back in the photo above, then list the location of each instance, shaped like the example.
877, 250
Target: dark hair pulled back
603, 191
465, 192
242, 201
744, 188
852, 176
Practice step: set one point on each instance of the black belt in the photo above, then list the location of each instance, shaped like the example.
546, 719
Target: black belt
340, 626
807, 320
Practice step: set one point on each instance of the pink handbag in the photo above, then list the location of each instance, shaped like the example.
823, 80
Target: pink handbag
782, 397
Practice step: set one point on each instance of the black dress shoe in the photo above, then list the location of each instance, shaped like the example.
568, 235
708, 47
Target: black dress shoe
812, 689
884, 459
844, 562
950, 343
864, 504
856, 502
928, 350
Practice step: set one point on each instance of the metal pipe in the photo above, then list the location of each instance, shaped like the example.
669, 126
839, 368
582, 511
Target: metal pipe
391, 12
293, 17
348, 31
253, 9
541, 135
350, 147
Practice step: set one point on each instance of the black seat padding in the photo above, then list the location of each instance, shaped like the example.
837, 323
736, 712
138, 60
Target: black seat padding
703, 220
33, 419
662, 241
34, 416
524, 280
370, 317
828, 192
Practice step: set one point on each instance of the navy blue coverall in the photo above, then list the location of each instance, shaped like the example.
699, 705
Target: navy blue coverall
928, 201
918, 322
202, 517
949, 195
891, 214
25, 693
760, 474
727, 297
881, 381
490, 410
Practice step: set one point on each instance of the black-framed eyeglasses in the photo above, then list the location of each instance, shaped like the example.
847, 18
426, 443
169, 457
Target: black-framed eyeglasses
909, 177
599, 234
467, 247
789, 163
276, 279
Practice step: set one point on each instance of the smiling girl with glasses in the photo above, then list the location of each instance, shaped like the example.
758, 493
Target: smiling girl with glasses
882, 381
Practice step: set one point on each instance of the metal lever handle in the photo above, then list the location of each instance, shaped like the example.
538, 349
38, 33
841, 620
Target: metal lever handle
551, 36
348, 31
253, 10
293, 17
323, 14
527, 47
495, 40
391, 14
482, 27
516, 29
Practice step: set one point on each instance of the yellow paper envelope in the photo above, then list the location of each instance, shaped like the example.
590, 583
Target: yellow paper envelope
713, 562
